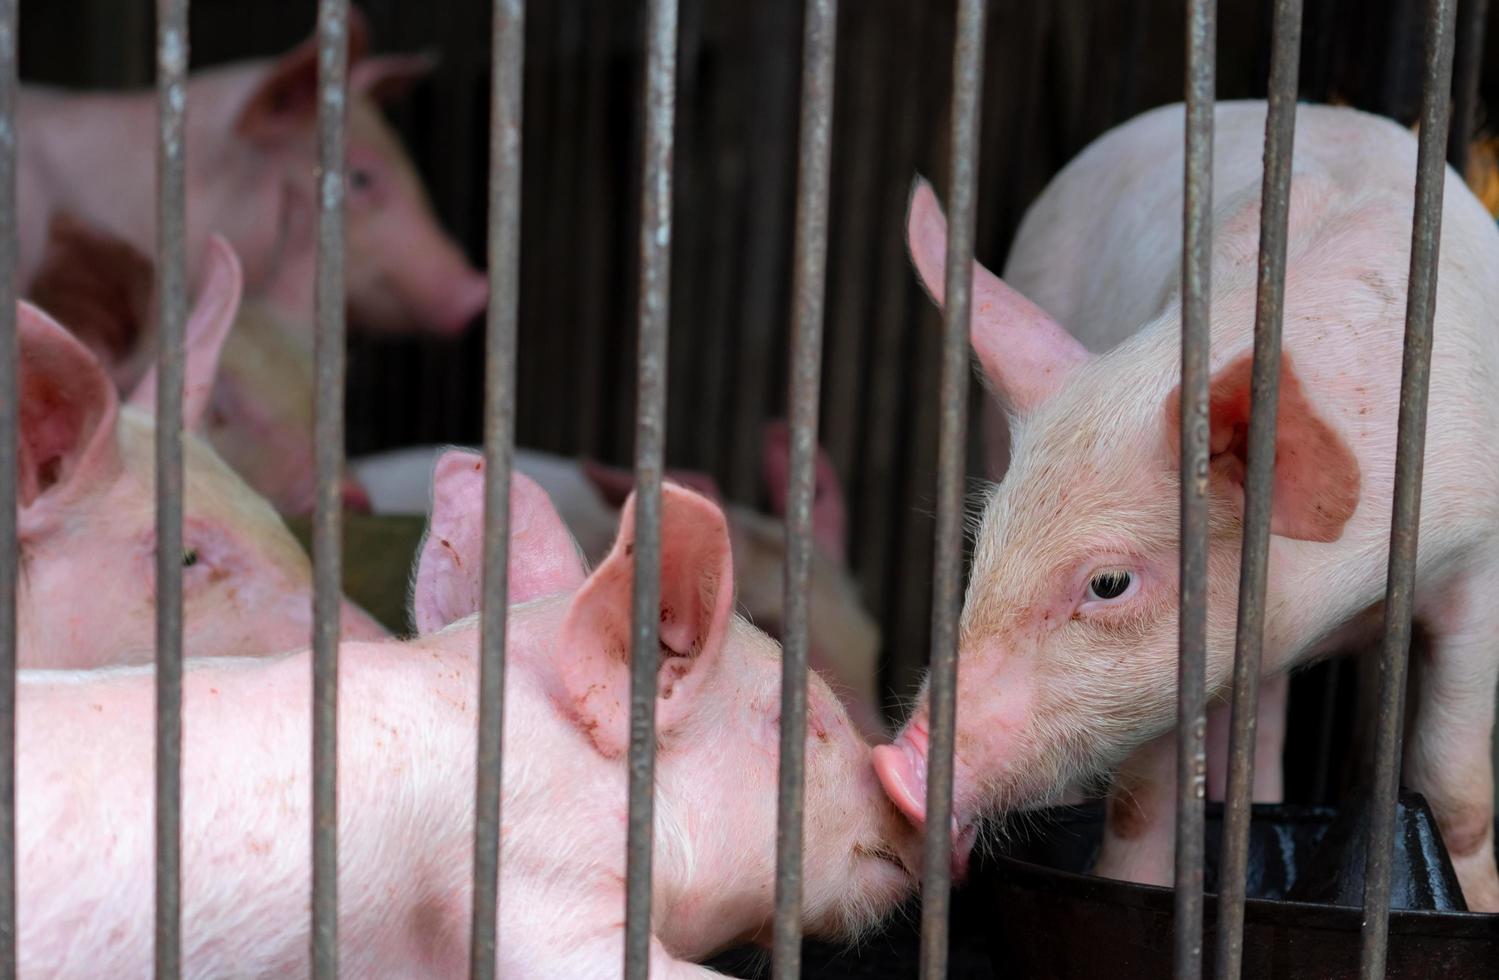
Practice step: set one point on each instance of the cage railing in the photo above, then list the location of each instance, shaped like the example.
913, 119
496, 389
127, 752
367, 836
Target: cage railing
1444, 44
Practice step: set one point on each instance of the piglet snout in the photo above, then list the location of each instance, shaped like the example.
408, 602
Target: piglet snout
902, 770
464, 299
901, 767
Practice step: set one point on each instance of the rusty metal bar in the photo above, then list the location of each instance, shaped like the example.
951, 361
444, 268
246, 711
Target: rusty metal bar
1431, 172
507, 44
9, 419
952, 454
659, 110
1197, 258
1275, 208
808, 289
171, 292
1467, 65
328, 449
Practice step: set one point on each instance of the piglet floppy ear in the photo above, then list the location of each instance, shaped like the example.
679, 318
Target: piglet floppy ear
592, 654
1317, 477
829, 513
208, 325
285, 102
450, 570
1025, 354
68, 408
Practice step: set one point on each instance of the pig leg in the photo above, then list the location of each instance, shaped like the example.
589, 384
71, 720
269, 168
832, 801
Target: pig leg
1139, 831
1447, 758
1269, 743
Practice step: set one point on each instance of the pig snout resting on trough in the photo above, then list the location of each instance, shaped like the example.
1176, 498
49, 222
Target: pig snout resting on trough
406, 780
1068, 639
251, 167
845, 638
87, 510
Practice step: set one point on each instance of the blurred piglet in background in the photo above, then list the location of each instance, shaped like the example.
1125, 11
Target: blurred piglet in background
259, 414
406, 778
845, 639
86, 509
251, 165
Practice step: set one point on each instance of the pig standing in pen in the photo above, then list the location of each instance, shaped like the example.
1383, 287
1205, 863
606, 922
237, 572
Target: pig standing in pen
1068, 640
86, 510
406, 777
251, 165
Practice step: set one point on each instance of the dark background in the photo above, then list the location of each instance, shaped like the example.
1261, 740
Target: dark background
1057, 75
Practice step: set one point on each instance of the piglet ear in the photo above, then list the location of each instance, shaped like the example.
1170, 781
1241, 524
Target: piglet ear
208, 325
68, 408
450, 570
1025, 354
1317, 477
829, 512
615, 484
389, 77
284, 104
697, 601
97, 284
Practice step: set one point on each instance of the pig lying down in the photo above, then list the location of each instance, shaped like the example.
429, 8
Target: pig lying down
87, 511
406, 772
845, 639
251, 160
1068, 640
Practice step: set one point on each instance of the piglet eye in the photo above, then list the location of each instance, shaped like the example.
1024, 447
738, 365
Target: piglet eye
189, 557
1109, 585
360, 179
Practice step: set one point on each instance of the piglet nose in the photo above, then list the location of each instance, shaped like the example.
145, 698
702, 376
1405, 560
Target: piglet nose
902, 770
464, 301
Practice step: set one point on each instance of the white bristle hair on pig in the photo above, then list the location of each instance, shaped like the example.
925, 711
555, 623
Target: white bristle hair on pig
1068, 638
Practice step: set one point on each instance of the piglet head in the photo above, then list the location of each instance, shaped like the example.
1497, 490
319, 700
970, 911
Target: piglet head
402, 271
717, 717
1068, 640
87, 513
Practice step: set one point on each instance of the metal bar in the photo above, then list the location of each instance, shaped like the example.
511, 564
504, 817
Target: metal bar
1410, 448
1275, 207
328, 449
171, 292
808, 289
1467, 65
9, 419
507, 45
659, 110
1197, 259
952, 452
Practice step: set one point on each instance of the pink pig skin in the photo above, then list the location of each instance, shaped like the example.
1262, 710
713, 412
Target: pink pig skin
406, 772
845, 638
1054, 682
250, 169
87, 513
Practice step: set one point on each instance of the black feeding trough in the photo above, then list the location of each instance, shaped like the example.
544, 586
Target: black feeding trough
1031, 911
